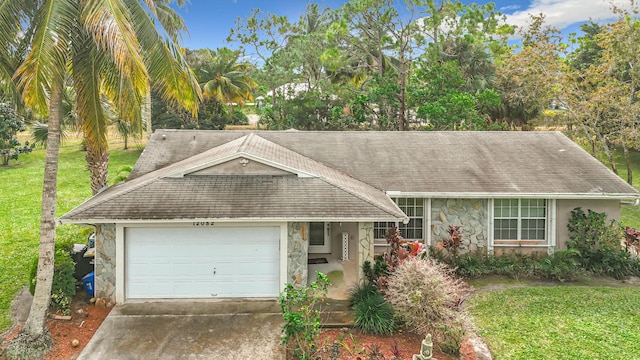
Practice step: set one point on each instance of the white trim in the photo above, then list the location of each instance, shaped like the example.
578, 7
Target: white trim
237, 155
427, 229
550, 227
121, 256
521, 246
552, 219
284, 255
326, 247
490, 226
120, 264
499, 195
227, 220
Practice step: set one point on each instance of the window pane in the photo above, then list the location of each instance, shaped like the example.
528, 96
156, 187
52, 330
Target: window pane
380, 229
414, 208
316, 233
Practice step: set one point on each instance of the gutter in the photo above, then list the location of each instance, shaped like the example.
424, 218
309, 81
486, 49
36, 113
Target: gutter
635, 198
212, 221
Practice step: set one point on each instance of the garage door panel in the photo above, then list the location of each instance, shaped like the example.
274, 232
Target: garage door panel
202, 262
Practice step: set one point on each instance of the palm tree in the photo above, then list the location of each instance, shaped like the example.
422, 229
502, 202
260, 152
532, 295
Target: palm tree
104, 48
223, 78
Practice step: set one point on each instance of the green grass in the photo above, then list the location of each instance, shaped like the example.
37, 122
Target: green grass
20, 208
629, 215
565, 322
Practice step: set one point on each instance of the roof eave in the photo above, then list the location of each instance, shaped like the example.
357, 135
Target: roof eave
500, 195
233, 220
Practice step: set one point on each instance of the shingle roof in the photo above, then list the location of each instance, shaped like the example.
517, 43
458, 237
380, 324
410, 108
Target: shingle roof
344, 175
311, 191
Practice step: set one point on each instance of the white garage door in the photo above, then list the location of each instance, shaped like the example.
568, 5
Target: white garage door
202, 262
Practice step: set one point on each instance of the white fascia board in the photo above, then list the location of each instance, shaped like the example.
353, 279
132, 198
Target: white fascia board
229, 220
478, 195
234, 156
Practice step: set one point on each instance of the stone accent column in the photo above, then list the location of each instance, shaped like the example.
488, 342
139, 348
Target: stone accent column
298, 253
105, 261
469, 214
365, 245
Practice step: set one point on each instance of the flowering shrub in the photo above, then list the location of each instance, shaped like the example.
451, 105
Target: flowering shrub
632, 241
426, 295
455, 239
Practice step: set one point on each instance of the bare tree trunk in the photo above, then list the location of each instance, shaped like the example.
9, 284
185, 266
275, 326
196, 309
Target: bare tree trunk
402, 118
35, 326
590, 139
627, 160
607, 151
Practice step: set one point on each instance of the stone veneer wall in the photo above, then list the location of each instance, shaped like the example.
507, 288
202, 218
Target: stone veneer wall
470, 214
105, 261
365, 245
298, 252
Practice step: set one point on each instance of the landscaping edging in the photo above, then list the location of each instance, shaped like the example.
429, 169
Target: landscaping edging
474, 348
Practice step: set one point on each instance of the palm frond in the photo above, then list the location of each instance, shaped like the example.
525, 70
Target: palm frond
171, 21
168, 70
86, 80
110, 24
47, 60
40, 133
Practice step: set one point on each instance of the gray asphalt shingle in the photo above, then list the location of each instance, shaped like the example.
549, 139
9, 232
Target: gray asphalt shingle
351, 171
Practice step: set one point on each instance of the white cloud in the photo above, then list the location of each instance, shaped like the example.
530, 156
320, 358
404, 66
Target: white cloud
563, 13
509, 8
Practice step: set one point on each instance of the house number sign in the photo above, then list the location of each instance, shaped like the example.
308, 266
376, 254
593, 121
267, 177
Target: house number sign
203, 223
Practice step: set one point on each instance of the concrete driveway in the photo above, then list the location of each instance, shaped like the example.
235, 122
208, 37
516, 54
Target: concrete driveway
224, 329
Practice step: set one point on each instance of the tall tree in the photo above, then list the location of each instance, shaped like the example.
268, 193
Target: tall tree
223, 77
109, 48
262, 37
527, 80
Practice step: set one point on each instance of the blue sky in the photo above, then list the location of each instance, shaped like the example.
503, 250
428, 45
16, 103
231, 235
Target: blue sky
209, 21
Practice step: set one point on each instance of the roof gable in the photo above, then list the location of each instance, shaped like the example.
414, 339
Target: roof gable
245, 149
240, 165
208, 169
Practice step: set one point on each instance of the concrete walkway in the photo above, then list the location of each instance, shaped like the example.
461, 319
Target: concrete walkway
229, 329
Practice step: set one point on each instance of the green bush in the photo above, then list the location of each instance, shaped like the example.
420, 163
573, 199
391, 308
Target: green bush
302, 317
561, 266
361, 291
427, 297
64, 284
599, 244
378, 269
374, 315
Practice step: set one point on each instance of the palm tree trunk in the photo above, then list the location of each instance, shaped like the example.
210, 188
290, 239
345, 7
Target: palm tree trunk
146, 113
98, 165
35, 324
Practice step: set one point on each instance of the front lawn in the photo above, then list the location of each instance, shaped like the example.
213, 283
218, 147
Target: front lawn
562, 322
21, 191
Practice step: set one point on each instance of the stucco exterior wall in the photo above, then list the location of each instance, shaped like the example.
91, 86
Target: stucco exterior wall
298, 250
336, 240
469, 214
105, 261
563, 214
